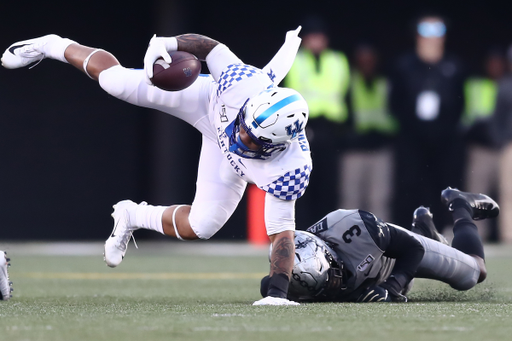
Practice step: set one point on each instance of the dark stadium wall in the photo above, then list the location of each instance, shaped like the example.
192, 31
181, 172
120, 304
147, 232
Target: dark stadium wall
69, 150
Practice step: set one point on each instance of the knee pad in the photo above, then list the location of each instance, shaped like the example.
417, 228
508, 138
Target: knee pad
119, 81
205, 222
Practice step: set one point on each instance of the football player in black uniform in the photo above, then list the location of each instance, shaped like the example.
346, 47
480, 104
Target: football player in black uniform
353, 256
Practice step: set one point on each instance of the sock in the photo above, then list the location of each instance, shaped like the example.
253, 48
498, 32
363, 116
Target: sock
55, 48
461, 210
465, 232
148, 217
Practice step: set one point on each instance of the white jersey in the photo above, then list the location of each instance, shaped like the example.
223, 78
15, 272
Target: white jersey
285, 174
210, 105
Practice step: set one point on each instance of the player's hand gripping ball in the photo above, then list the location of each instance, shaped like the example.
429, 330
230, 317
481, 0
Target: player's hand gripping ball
179, 74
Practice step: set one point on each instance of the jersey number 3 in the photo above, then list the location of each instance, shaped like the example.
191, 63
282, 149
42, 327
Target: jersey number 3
354, 231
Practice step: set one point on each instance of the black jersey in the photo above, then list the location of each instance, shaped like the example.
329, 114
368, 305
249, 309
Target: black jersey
359, 240
372, 251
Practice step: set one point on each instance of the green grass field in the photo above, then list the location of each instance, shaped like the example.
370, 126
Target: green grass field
174, 293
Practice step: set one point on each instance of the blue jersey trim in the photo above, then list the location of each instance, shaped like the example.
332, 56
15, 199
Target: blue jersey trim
290, 186
279, 105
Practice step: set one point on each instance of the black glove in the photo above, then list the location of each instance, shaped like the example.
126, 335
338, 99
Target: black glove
374, 294
394, 289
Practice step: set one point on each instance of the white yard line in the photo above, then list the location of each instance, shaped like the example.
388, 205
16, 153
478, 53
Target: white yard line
209, 248
164, 248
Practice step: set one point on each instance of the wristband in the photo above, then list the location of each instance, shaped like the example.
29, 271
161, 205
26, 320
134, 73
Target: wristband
278, 285
171, 43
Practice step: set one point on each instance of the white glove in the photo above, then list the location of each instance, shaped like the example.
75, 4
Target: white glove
269, 300
158, 47
293, 34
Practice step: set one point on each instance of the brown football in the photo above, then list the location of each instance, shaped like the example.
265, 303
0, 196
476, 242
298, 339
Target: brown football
179, 74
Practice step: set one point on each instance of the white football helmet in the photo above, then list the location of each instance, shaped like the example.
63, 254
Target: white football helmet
316, 272
272, 119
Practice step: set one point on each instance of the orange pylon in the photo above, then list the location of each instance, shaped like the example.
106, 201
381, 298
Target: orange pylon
256, 231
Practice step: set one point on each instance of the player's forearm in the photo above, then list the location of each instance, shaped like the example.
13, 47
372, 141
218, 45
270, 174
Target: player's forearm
281, 263
283, 251
197, 44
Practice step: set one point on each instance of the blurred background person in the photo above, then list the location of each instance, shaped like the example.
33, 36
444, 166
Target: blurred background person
427, 100
367, 164
481, 173
322, 76
502, 132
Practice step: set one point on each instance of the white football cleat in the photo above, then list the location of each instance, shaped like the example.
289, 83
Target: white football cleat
269, 300
26, 52
117, 243
5, 284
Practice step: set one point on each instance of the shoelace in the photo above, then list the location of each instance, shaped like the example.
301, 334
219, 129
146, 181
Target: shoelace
125, 239
31, 49
36, 64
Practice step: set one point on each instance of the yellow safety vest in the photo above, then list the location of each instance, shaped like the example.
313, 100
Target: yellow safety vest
370, 105
324, 89
480, 99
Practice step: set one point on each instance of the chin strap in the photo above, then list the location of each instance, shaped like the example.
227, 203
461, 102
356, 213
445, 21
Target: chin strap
336, 277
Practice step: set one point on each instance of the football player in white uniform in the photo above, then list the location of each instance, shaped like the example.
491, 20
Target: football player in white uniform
352, 256
5, 284
252, 132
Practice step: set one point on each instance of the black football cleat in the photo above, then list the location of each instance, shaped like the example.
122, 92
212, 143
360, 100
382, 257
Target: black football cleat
482, 205
423, 224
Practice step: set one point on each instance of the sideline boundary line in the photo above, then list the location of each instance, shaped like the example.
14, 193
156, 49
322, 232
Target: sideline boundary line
139, 275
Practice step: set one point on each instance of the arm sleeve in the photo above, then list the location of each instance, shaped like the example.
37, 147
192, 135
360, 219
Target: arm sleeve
219, 59
378, 230
408, 253
279, 214
279, 66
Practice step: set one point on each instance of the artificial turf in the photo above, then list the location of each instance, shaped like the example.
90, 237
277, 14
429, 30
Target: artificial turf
208, 297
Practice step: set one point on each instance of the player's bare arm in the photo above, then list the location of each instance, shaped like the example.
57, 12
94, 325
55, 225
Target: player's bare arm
281, 259
281, 264
196, 44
